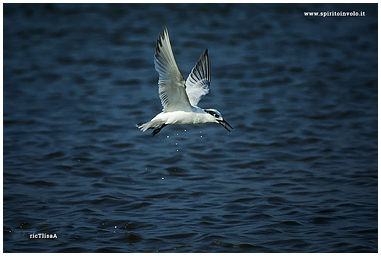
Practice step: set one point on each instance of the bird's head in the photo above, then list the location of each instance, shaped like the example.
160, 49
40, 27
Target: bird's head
218, 118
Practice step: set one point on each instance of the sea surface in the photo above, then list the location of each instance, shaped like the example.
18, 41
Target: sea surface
298, 173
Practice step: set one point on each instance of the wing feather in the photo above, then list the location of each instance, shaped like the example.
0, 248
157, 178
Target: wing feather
198, 81
171, 83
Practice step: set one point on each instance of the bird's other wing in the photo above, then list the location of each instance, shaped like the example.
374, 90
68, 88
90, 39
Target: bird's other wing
198, 81
171, 83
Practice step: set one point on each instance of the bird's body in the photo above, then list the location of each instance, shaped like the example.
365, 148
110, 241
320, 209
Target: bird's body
179, 97
196, 116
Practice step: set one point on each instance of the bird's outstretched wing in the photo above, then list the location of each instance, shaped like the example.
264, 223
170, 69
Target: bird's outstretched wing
198, 81
171, 83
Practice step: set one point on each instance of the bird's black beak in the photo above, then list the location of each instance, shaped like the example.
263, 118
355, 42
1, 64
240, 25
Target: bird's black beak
225, 125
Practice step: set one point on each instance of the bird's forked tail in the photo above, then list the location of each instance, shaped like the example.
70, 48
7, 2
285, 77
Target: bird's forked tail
157, 126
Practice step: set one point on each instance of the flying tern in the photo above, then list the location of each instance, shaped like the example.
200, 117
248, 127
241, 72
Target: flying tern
179, 98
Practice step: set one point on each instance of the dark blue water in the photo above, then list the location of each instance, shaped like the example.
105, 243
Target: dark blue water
297, 174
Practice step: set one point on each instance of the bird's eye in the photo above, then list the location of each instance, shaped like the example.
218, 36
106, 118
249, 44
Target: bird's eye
216, 116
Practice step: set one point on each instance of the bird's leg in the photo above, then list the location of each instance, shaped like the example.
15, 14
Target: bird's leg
158, 129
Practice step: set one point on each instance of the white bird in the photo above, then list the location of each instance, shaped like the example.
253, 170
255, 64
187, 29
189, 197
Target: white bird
179, 97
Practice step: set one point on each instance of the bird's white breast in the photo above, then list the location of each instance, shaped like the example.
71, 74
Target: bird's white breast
183, 117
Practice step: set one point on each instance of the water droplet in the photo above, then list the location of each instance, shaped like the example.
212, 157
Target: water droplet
162, 178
